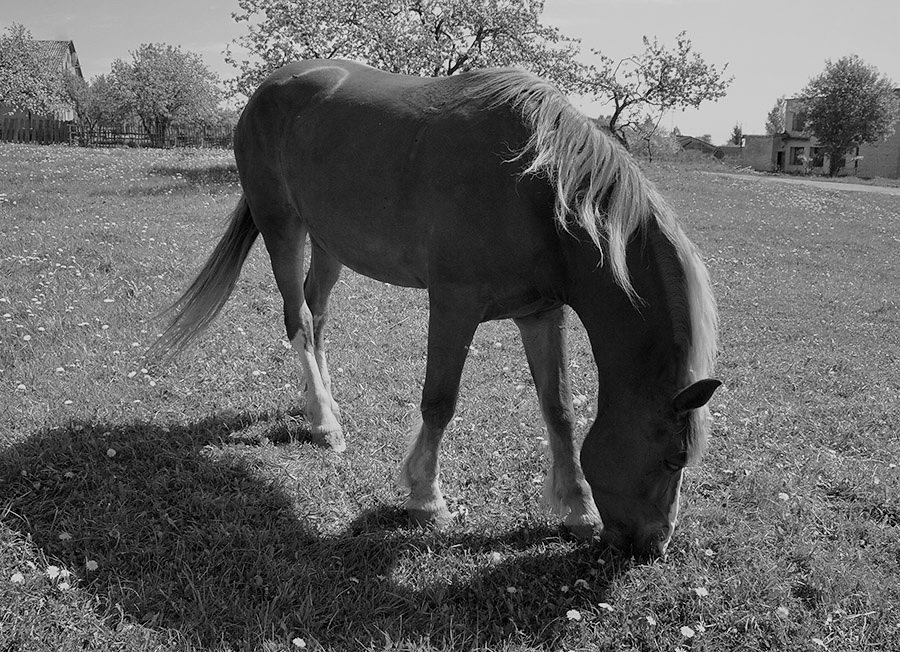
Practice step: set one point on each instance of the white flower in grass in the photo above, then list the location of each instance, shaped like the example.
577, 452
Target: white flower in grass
650, 620
819, 642
687, 632
52, 572
701, 592
17, 578
299, 643
782, 611
110, 452
783, 497
65, 536
91, 565
511, 589
606, 606
573, 614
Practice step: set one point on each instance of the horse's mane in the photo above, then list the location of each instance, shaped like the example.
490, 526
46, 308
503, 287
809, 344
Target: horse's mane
600, 188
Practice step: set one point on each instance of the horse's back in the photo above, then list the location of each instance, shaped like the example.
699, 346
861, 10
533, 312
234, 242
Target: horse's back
405, 179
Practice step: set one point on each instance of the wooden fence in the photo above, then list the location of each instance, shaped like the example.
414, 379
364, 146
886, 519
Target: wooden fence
175, 137
38, 130
45, 131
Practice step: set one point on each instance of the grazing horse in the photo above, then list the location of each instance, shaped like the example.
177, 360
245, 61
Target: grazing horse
491, 191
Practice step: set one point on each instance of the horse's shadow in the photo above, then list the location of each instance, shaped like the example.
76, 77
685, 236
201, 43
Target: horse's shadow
194, 540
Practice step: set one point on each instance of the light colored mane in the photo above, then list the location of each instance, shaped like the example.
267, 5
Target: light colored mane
600, 188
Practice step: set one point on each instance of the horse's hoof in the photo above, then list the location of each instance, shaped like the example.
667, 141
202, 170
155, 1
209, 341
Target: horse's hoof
431, 518
329, 437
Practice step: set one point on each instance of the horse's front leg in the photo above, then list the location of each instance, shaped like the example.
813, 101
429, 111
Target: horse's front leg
565, 489
451, 326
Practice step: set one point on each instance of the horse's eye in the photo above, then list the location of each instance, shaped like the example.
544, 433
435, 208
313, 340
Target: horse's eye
671, 466
676, 462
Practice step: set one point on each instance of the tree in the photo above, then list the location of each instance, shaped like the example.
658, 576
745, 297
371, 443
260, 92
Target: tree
775, 119
96, 102
27, 82
421, 37
737, 135
163, 85
656, 80
848, 104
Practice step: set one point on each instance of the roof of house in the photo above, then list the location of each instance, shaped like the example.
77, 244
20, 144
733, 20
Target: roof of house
695, 143
56, 52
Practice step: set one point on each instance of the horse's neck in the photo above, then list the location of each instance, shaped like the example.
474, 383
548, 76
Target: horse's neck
635, 346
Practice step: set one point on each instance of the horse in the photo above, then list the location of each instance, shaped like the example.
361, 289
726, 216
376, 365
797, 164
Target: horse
491, 191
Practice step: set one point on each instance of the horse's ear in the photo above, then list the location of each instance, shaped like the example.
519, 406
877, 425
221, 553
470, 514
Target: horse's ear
695, 395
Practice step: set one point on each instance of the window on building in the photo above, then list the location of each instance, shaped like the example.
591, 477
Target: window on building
799, 122
817, 157
798, 156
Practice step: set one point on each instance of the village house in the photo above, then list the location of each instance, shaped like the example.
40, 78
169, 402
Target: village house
797, 151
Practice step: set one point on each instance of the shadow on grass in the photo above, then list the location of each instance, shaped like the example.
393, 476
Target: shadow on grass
200, 176
188, 535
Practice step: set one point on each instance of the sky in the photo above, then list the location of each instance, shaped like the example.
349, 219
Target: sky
772, 47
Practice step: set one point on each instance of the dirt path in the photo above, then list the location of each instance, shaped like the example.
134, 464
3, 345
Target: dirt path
803, 181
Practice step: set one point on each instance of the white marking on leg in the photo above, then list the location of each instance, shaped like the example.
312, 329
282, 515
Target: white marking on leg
324, 426
420, 474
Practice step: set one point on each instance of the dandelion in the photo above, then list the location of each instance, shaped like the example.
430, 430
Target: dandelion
90, 565
687, 632
110, 452
650, 620
52, 572
783, 497
511, 589
17, 578
606, 606
65, 536
701, 592
20, 387
573, 614
64, 586
782, 611
299, 643
27, 338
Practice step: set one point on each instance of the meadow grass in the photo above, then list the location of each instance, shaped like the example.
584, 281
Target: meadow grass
182, 508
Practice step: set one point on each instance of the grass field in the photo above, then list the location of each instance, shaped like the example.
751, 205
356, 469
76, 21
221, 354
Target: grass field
182, 508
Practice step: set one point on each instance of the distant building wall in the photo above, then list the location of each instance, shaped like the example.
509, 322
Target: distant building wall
759, 152
881, 159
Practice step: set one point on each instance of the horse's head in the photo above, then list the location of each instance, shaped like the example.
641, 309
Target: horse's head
633, 460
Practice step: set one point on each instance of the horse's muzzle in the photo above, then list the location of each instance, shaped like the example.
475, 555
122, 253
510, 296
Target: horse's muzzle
650, 545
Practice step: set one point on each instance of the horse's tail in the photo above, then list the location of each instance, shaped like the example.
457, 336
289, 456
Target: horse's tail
196, 309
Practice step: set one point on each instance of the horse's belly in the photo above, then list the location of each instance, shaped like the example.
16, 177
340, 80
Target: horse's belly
380, 247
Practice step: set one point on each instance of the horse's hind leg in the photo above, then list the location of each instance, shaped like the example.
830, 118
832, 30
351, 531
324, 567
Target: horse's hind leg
566, 490
451, 324
323, 274
286, 249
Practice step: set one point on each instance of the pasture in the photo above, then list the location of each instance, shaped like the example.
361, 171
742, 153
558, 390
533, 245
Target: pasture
181, 508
